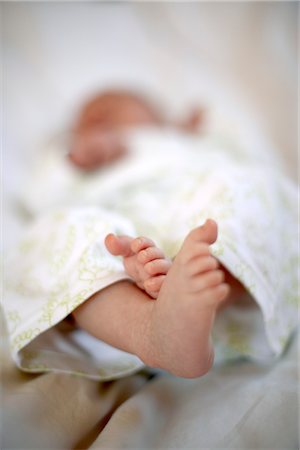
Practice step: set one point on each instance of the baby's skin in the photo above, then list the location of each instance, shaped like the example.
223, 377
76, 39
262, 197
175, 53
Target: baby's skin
145, 263
188, 292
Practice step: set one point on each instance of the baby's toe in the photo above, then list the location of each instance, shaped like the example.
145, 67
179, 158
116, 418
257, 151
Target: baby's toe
207, 280
207, 232
197, 243
201, 264
214, 295
157, 266
118, 245
153, 285
149, 254
141, 243
153, 294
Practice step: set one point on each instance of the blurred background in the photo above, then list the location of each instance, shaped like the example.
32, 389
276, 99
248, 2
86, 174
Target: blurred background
238, 57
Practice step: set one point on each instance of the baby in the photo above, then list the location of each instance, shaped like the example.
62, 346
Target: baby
97, 135
166, 313
155, 179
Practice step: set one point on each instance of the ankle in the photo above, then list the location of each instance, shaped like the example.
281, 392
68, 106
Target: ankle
195, 366
141, 338
184, 359
184, 366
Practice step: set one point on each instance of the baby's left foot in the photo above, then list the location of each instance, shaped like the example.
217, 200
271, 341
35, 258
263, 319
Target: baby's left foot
143, 261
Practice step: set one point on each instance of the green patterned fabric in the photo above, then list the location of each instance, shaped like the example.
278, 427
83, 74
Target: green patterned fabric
168, 185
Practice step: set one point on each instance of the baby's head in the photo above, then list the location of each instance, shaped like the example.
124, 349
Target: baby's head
96, 138
119, 110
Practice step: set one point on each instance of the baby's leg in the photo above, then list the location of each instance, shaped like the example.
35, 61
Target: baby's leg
118, 315
173, 332
145, 263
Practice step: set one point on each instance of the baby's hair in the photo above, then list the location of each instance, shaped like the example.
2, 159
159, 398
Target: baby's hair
104, 105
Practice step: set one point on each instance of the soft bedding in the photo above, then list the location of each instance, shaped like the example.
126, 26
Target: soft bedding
168, 184
239, 406
240, 56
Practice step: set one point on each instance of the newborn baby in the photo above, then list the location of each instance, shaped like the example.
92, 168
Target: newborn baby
97, 135
145, 252
173, 332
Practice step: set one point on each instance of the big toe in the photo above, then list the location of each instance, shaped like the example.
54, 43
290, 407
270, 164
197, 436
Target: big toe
207, 233
118, 245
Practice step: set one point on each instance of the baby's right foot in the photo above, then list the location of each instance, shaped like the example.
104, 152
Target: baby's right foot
145, 263
183, 314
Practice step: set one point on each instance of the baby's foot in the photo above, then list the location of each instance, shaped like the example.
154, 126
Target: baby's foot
143, 261
183, 314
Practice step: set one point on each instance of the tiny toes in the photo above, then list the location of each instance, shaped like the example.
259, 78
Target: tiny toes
194, 251
208, 232
215, 295
154, 284
208, 280
149, 254
118, 245
202, 264
157, 266
141, 243
220, 292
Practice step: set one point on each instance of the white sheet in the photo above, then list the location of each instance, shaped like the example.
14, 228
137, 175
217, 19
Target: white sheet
169, 183
241, 57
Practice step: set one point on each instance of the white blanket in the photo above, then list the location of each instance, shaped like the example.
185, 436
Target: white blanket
239, 56
169, 184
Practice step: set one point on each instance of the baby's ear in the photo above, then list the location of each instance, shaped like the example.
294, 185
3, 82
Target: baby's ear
194, 121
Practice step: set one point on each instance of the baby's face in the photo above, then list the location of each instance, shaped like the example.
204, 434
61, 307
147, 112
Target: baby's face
96, 139
117, 110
